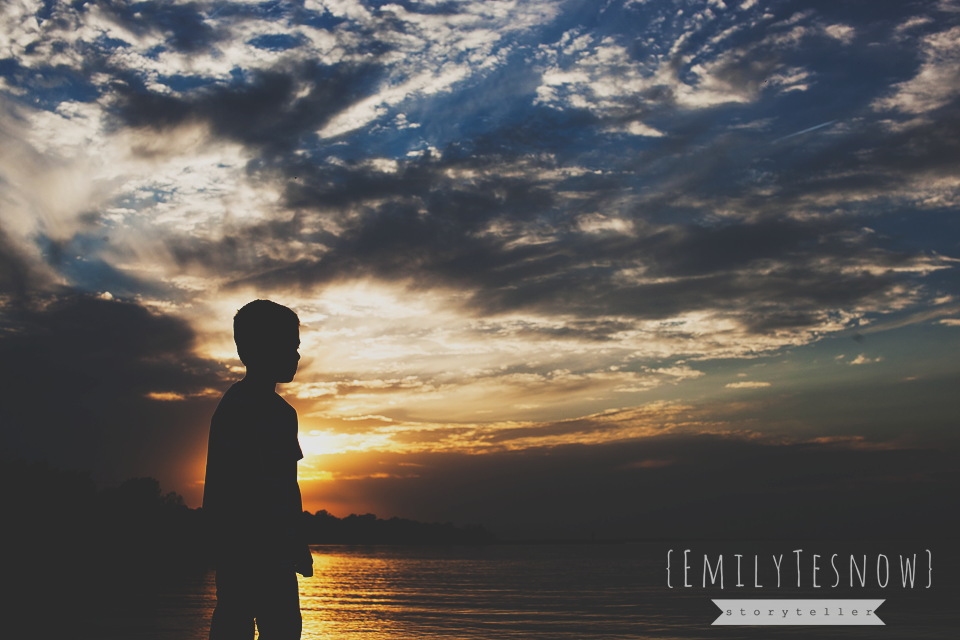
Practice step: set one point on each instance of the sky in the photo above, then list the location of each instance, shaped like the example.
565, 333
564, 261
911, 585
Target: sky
562, 267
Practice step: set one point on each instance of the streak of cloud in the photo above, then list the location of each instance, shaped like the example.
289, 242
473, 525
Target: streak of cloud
808, 130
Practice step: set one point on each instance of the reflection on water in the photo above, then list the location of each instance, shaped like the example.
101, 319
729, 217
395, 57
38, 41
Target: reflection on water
154, 608
475, 592
525, 591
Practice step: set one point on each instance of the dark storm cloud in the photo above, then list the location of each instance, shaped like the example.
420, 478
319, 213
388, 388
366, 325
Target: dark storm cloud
17, 275
774, 272
669, 486
869, 161
181, 24
266, 111
590, 330
567, 427
77, 371
393, 240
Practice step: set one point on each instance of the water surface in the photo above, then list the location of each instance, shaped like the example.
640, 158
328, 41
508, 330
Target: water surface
567, 592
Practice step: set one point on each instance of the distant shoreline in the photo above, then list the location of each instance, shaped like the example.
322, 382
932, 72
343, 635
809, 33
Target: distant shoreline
677, 540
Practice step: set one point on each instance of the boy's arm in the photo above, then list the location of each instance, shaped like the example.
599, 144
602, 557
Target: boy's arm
304, 564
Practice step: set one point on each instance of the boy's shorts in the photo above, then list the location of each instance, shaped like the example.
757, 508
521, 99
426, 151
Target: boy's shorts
266, 596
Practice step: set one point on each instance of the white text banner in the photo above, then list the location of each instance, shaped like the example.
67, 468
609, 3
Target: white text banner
794, 612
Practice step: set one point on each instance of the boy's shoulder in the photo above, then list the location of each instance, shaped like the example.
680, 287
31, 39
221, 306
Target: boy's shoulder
241, 398
235, 396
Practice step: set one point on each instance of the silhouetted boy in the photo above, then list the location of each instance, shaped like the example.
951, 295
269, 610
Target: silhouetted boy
251, 498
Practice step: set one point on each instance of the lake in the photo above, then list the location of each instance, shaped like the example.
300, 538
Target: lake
583, 592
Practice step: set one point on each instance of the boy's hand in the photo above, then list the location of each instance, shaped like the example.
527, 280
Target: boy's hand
305, 562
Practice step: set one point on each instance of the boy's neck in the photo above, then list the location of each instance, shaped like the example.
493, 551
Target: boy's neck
260, 382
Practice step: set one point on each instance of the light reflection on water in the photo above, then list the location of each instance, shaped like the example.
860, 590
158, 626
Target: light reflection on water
474, 592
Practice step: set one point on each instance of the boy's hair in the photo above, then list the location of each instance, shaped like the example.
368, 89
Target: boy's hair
257, 324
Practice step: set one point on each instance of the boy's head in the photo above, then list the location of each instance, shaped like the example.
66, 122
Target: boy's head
267, 335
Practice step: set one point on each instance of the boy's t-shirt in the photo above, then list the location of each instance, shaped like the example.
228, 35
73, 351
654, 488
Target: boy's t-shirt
250, 496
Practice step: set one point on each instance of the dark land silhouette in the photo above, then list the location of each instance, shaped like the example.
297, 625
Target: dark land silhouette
64, 508
324, 528
137, 522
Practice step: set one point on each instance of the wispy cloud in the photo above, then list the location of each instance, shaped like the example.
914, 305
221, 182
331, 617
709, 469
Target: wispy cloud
807, 130
747, 384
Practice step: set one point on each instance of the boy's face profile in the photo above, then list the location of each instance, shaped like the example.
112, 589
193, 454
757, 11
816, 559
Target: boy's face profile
276, 358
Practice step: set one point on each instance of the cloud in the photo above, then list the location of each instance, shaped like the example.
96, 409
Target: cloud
18, 275
843, 33
749, 384
435, 51
272, 111
91, 378
936, 82
681, 372
655, 272
625, 84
